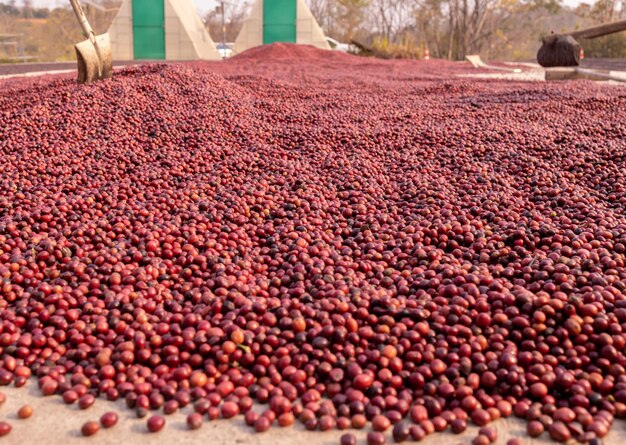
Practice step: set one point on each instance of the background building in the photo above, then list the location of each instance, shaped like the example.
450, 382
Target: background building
160, 30
280, 21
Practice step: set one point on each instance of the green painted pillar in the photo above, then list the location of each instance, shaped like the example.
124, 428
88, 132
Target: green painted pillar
279, 21
149, 29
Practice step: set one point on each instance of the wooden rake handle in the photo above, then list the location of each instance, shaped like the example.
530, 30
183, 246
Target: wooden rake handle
82, 20
600, 30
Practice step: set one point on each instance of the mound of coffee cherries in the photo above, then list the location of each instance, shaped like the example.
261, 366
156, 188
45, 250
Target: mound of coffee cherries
300, 236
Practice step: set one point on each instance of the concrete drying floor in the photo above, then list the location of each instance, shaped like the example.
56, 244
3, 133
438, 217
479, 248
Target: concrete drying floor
38, 68
54, 423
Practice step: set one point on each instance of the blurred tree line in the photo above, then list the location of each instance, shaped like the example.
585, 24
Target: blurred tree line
44, 34
450, 29
235, 13
604, 11
25, 11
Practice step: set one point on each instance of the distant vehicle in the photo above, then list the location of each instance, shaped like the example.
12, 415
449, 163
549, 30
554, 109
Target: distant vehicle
335, 45
225, 49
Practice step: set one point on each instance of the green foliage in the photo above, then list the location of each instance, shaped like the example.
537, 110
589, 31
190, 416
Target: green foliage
48, 35
41, 13
612, 46
349, 15
404, 48
550, 6
56, 38
353, 4
9, 10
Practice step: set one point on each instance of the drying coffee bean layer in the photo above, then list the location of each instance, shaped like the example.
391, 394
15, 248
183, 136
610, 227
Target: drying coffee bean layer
345, 240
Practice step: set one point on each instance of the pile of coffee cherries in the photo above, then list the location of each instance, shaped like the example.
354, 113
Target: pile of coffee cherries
347, 243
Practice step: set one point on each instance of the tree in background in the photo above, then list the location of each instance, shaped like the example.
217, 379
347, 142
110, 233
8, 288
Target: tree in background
343, 20
448, 28
391, 16
495, 29
48, 35
54, 39
452, 29
350, 15
27, 9
323, 14
604, 11
9, 9
234, 16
